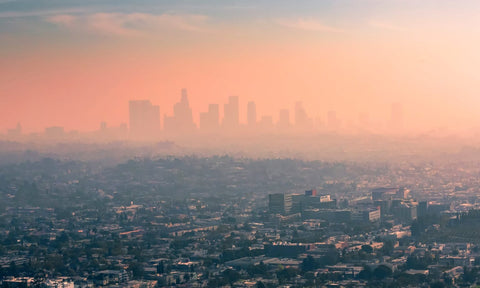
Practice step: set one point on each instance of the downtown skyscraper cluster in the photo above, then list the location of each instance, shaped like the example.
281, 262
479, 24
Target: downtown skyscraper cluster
145, 120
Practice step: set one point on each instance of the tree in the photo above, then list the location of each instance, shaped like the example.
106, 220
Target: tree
437, 285
366, 273
407, 280
260, 269
231, 276
388, 246
330, 258
286, 274
12, 269
470, 275
137, 269
309, 264
310, 277
367, 249
382, 272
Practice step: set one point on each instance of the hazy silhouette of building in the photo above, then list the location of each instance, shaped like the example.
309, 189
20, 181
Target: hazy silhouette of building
333, 123
396, 117
266, 123
111, 133
284, 119
55, 132
15, 132
251, 114
103, 126
209, 121
231, 113
103, 132
182, 119
302, 121
144, 120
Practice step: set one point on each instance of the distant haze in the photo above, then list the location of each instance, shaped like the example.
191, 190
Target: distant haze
79, 63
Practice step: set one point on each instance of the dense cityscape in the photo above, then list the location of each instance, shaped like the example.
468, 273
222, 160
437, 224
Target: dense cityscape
222, 221
239, 144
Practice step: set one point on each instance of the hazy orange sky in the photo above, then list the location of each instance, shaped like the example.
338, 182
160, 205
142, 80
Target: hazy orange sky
77, 63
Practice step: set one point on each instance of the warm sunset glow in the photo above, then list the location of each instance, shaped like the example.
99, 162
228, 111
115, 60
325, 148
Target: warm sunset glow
77, 64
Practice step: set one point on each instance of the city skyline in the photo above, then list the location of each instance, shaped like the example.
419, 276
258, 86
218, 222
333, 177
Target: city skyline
146, 120
245, 143
77, 63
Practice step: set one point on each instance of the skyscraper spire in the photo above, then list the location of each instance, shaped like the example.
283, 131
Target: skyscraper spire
184, 99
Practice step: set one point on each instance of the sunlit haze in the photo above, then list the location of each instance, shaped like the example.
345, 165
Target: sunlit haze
239, 143
78, 63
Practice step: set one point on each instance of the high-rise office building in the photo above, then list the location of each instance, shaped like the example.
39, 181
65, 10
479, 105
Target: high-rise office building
301, 118
231, 113
251, 114
209, 121
300, 114
144, 120
312, 192
182, 119
279, 203
422, 208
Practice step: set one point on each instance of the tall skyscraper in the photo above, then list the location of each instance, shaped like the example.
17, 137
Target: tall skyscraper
209, 121
144, 120
182, 119
301, 118
251, 114
231, 113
